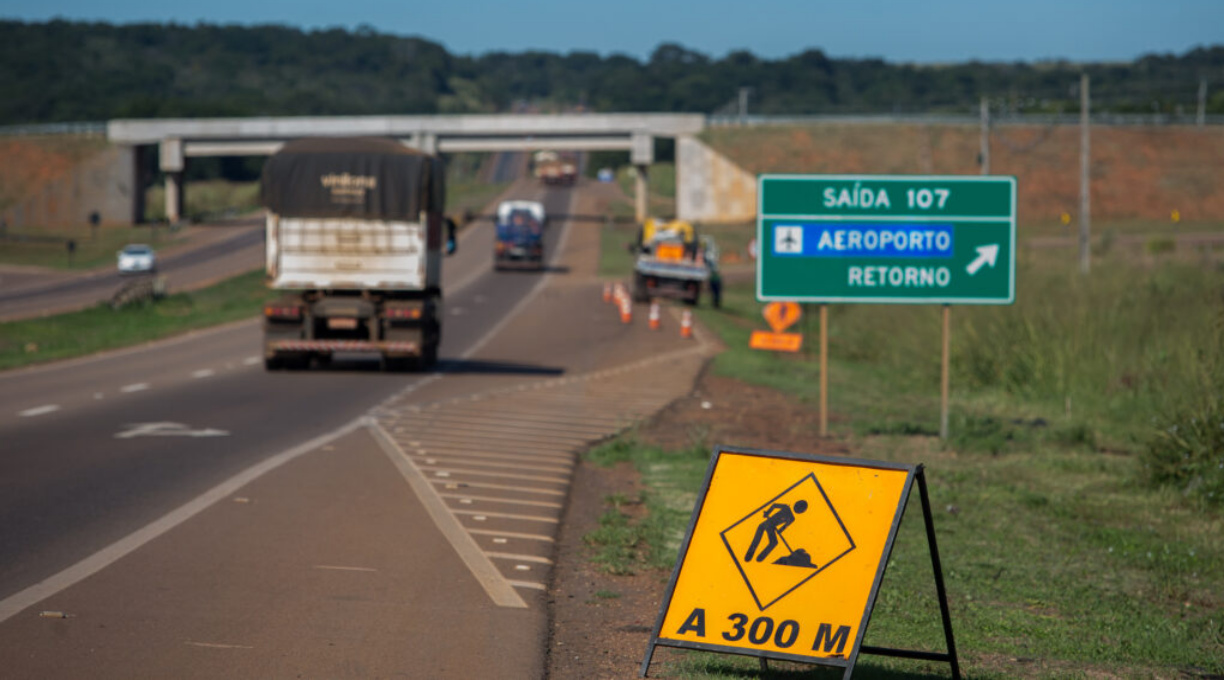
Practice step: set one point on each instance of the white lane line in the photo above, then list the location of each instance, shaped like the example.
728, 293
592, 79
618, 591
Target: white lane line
502, 487
215, 645
527, 584
465, 546
39, 411
482, 515
134, 387
14, 604
203, 373
468, 499
338, 568
250, 361
520, 558
512, 534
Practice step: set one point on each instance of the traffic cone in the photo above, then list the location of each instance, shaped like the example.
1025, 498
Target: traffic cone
686, 324
607, 292
654, 315
626, 311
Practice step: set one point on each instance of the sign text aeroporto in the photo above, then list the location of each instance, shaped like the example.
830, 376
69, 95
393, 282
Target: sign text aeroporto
887, 239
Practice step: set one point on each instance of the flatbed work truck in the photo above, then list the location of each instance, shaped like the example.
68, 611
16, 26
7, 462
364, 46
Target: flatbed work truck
355, 239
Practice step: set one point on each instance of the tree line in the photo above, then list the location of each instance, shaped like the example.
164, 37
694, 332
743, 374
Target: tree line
61, 70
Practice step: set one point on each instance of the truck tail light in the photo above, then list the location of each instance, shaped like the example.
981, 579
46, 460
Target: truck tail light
403, 313
282, 312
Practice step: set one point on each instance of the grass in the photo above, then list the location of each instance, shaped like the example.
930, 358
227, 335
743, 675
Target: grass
93, 249
205, 200
100, 328
1064, 554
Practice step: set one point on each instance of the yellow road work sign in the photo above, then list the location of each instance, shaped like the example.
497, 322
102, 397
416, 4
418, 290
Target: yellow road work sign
784, 556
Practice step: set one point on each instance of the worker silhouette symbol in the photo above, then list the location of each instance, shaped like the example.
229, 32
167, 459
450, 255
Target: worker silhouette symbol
778, 517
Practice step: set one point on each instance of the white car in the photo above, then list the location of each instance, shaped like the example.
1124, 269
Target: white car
137, 258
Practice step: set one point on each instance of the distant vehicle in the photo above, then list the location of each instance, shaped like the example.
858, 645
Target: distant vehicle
355, 239
520, 235
137, 258
673, 262
554, 169
605, 175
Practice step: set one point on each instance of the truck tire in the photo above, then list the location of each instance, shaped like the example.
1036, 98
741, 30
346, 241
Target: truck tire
694, 295
273, 363
640, 293
396, 364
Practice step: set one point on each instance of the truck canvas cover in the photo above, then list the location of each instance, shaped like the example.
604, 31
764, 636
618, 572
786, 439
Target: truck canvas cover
366, 177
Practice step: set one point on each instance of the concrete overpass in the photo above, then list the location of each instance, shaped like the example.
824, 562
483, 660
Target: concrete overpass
180, 139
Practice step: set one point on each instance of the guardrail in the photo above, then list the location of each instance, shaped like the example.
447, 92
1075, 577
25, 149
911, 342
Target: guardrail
1109, 119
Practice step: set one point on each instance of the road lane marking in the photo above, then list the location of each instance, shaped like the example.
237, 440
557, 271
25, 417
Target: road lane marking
18, 602
167, 430
467, 500
333, 567
503, 487
217, 645
528, 584
520, 558
134, 387
204, 373
39, 411
506, 515
489, 577
250, 361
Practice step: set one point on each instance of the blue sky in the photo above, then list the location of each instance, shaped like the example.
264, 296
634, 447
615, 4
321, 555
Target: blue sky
926, 31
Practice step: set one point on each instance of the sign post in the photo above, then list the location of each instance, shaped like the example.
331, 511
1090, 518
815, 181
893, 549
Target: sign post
784, 557
888, 239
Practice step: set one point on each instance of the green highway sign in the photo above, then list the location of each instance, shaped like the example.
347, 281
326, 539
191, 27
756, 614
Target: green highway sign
887, 239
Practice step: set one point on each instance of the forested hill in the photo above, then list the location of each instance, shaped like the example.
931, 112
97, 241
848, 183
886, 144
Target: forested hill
71, 71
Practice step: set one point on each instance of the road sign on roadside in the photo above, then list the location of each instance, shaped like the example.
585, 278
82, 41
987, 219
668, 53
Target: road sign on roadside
784, 557
887, 239
780, 316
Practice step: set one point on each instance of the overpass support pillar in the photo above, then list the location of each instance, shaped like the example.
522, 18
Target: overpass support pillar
172, 162
640, 192
641, 155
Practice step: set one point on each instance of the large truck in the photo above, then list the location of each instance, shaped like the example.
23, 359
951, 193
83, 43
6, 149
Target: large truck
554, 169
674, 262
519, 238
355, 240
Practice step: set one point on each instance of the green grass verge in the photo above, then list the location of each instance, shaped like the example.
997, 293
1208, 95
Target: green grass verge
93, 249
1065, 554
101, 328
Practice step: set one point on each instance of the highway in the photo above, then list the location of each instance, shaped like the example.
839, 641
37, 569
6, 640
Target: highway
176, 507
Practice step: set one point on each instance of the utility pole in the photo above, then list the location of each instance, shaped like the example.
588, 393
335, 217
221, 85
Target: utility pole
1085, 178
1201, 119
985, 152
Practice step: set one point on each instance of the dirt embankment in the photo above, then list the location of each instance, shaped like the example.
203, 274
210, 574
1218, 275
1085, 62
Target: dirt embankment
1140, 173
43, 180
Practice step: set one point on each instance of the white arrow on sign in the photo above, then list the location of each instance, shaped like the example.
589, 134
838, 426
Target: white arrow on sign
987, 255
167, 430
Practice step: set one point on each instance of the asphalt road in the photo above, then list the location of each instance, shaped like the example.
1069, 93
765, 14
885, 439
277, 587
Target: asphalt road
133, 473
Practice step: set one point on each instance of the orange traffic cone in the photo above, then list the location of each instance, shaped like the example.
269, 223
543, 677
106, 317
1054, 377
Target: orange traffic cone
686, 324
607, 292
626, 311
654, 315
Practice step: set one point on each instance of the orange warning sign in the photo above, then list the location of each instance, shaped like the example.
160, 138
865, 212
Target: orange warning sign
785, 555
778, 342
782, 315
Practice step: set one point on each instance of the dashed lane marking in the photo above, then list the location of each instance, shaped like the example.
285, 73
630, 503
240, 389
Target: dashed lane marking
502, 487
39, 411
519, 558
134, 387
251, 361
512, 534
203, 373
